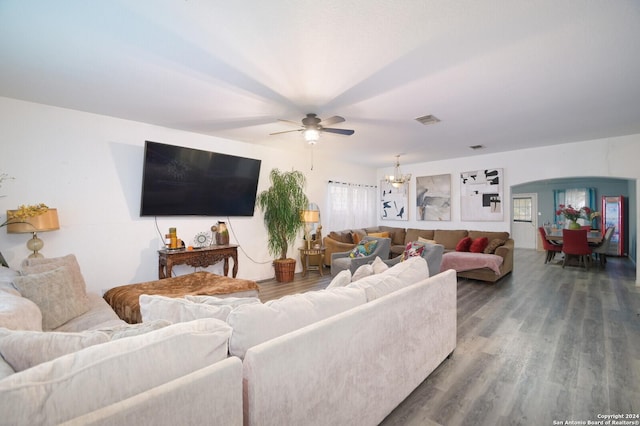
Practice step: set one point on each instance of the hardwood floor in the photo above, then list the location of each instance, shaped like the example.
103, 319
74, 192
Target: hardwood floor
542, 344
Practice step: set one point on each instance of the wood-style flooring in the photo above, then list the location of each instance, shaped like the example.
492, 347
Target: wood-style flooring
543, 344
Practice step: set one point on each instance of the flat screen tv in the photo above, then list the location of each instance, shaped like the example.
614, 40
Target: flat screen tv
179, 181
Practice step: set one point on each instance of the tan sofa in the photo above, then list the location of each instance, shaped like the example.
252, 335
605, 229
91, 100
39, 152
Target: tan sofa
342, 241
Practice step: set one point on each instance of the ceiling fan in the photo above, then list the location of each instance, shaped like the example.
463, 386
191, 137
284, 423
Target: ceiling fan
312, 126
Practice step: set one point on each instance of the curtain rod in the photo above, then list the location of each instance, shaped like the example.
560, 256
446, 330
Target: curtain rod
353, 184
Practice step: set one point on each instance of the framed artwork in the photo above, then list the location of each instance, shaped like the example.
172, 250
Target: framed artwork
433, 197
394, 201
481, 195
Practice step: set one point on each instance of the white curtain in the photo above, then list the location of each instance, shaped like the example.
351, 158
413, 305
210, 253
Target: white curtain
350, 206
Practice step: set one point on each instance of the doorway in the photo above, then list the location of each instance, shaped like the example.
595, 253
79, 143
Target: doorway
524, 220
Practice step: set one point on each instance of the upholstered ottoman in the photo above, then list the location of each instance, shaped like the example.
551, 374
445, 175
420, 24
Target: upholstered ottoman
125, 299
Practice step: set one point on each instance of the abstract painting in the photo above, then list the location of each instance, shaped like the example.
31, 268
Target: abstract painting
433, 197
394, 201
481, 195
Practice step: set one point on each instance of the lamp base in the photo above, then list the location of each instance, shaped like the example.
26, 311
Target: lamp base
35, 244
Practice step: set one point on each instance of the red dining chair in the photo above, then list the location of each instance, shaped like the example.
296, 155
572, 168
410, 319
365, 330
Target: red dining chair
551, 248
575, 244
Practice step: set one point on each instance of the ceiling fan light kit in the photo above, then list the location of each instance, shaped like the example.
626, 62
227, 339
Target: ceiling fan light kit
397, 179
312, 126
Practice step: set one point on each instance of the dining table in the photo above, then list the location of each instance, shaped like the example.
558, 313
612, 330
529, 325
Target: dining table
594, 236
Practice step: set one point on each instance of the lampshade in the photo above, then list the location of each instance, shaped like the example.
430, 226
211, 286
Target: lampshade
47, 221
311, 216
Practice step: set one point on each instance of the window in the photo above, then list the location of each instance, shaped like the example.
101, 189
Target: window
522, 210
350, 206
575, 197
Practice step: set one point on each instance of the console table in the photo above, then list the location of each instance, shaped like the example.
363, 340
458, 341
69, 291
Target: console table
201, 257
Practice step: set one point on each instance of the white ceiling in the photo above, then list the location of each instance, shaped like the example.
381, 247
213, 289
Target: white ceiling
504, 74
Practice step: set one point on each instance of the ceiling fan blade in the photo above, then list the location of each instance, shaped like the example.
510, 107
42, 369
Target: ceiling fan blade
332, 120
285, 131
346, 132
290, 122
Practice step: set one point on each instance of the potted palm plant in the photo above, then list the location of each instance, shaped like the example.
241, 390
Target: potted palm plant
282, 204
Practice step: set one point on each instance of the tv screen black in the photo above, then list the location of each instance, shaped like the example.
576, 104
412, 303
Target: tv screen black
178, 181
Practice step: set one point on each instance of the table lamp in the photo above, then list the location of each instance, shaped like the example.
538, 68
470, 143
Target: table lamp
309, 217
47, 221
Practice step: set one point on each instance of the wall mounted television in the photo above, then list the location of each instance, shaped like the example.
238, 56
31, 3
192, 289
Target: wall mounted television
179, 181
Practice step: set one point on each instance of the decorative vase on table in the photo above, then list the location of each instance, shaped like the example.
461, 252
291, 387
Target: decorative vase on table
574, 225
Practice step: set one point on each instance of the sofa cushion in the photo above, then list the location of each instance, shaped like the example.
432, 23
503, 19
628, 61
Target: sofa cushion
37, 265
120, 331
342, 279
489, 235
154, 307
221, 301
415, 234
19, 313
343, 237
413, 249
493, 245
6, 280
24, 349
362, 272
449, 238
257, 323
5, 369
426, 241
478, 245
378, 265
410, 271
55, 293
378, 285
397, 234
84, 381
464, 244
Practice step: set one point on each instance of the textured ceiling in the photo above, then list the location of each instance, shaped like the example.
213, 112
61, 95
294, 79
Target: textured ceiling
504, 74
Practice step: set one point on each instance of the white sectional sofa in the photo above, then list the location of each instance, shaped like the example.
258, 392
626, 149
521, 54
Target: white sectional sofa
101, 370
345, 355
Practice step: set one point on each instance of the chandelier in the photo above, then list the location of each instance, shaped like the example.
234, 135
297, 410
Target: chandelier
397, 179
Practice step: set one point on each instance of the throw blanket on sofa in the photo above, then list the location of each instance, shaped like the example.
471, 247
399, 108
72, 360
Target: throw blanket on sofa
465, 261
125, 299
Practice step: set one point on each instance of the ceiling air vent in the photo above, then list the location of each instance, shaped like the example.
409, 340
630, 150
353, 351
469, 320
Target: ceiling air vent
477, 147
428, 119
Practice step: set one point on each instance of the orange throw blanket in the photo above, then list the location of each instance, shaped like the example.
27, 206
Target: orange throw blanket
125, 299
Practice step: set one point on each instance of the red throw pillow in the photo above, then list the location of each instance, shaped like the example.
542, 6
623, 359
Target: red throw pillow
479, 244
464, 244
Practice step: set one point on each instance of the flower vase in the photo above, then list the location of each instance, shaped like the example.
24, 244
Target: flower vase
574, 225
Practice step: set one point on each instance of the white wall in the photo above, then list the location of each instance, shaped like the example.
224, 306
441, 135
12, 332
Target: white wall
610, 157
89, 167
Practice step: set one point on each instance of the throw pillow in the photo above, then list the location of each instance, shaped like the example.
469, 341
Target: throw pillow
355, 238
55, 294
24, 349
154, 307
6, 280
479, 244
413, 249
378, 265
361, 272
464, 244
363, 249
493, 245
37, 265
342, 279
426, 241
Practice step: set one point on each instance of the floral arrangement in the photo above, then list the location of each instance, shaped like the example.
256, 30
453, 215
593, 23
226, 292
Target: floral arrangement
573, 214
24, 212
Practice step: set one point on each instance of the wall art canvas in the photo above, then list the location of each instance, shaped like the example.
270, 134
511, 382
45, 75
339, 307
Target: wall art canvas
433, 197
481, 195
394, 201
